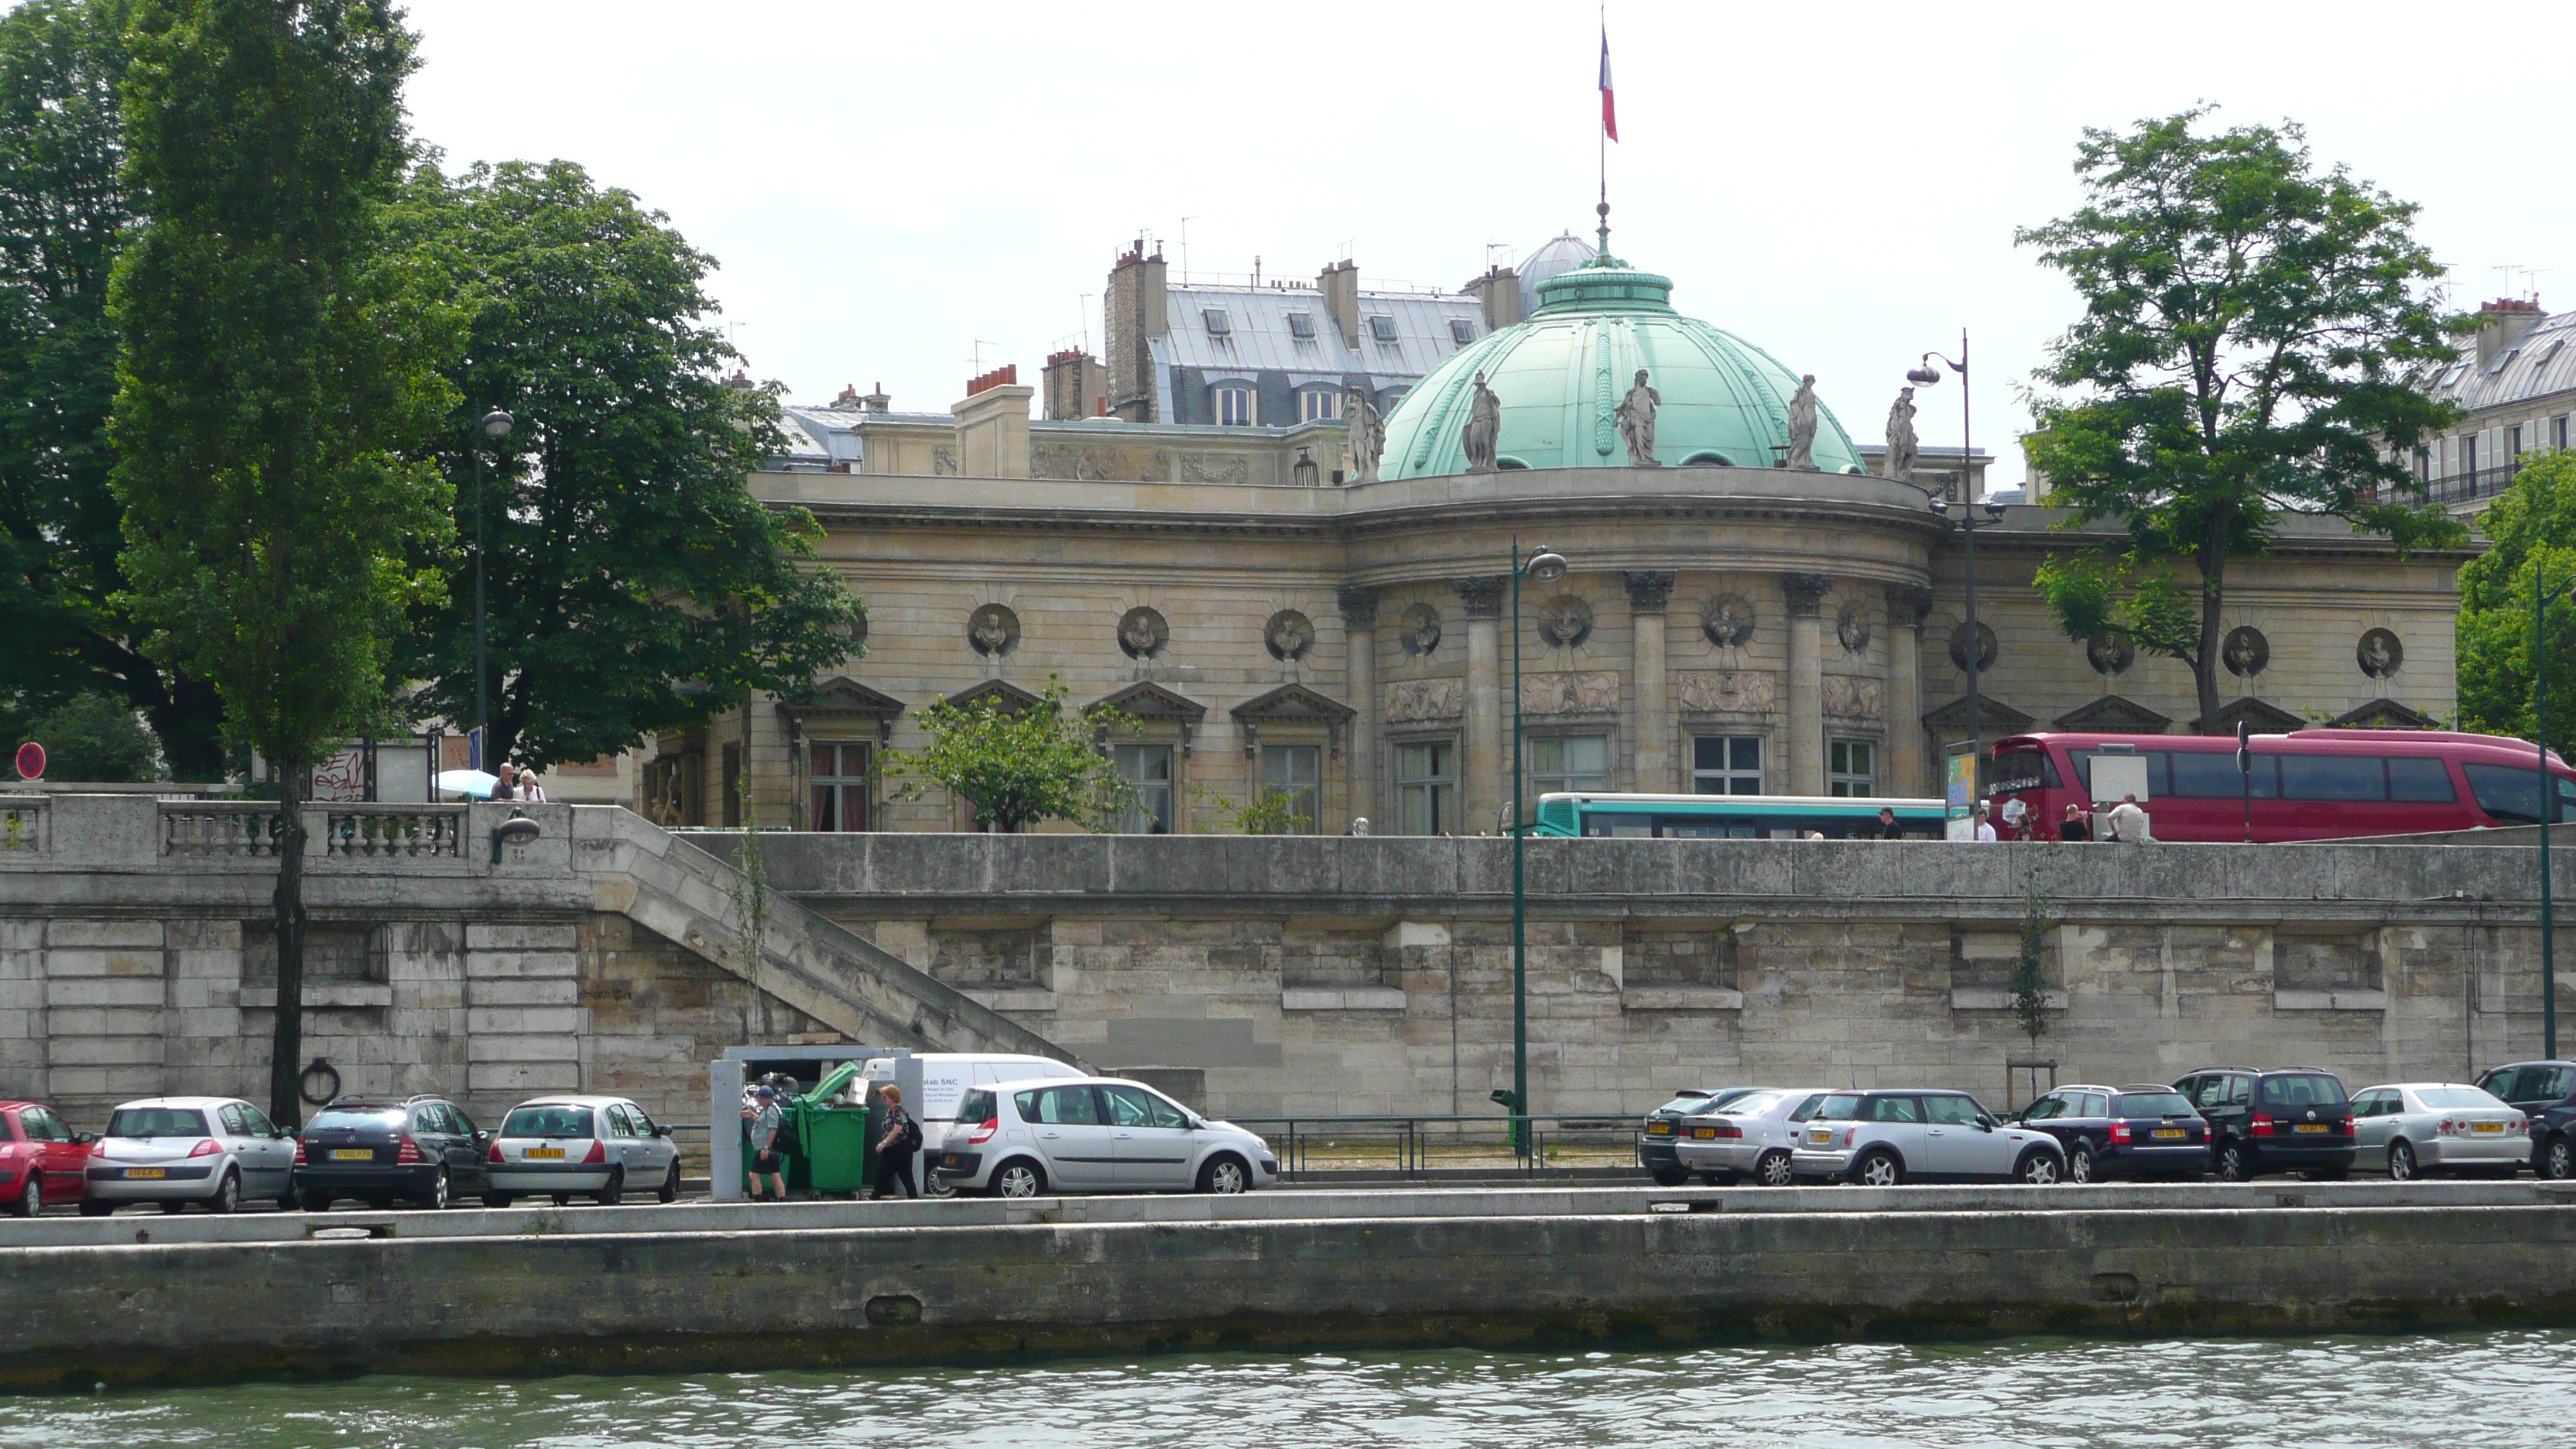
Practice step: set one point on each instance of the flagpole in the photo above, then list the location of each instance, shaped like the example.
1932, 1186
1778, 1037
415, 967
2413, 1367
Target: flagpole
1601, 140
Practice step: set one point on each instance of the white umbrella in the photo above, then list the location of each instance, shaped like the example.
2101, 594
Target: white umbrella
469, 782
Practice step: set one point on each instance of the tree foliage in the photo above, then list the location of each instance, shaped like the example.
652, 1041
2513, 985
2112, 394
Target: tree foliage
2030, 969
278, 371
2531, 529
633, 583
65, 213
1018, 767
96, 739
2251, 326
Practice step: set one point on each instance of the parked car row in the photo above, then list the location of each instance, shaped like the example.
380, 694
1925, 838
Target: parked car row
2236, 1122
220, 1152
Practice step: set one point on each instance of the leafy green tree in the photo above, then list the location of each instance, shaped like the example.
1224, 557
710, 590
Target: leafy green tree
2249, 327
633, 583
279, 367
2030, 969
65, 212
2531, 529
96, 739
1017, 767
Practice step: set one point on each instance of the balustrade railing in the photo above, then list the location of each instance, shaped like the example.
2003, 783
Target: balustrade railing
357, 832
22, 826
206, 828
394, 831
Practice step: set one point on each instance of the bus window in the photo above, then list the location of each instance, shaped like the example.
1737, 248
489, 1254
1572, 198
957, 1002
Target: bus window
2510, 794
2207, 775
2421, 781
2349, 778
2018, 770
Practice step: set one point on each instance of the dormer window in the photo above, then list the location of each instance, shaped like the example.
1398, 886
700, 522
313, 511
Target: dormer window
1218, 324
1301, 325
1382, 328
1320, 405
1235, 406
1461, 331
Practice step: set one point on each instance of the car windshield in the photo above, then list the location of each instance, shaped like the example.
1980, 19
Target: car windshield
2302, 1091
2531, 1084
157, 1122
360, 1118
1752, 1103
1840, 1107
2444, 1098
2154, 1104
1687, 1103
977, 1106
547, 1122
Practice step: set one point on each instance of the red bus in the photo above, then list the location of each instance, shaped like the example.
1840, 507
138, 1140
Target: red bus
2307, 785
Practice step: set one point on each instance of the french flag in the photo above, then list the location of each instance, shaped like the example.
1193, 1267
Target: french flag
1609, 107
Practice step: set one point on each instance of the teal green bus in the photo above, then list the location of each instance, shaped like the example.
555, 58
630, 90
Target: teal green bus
1738, 817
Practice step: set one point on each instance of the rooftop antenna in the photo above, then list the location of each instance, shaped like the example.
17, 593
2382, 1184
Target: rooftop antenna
2506, 270
1348, 242
1085, 310
1185, 248
976, 361
2531, 283
1497, 254
1256, 269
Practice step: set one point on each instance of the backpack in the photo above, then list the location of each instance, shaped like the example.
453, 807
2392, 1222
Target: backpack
911, 1134
784, 1142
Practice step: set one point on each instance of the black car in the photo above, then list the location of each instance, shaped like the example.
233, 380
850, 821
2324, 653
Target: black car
2545, 1092
1655, 1135
2134, 1132
2294, 1120
377, 1149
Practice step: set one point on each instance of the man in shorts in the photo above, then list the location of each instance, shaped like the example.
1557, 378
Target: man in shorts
765, 1158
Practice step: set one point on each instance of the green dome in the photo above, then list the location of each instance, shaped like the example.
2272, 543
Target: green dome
1560, 376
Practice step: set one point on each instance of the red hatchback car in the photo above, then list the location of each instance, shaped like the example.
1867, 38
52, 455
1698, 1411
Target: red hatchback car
42, 1160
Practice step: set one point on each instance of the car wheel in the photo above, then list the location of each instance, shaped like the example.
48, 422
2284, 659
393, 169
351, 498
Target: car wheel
563, 1199
436, 1198
1225, 1174
670, 1191
2080, 1169
615, 1192
2234, 1165
496, 1199
227, 1194
1018, 1177
2558, 1159
1669, 1176
1878, 1168
32, 1201
1776, 1169
96, 1209
2401, 1163
316, 1202
2038, 1168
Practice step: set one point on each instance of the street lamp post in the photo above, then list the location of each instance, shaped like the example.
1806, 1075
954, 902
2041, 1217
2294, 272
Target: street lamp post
1924, 374
1542, 566
495, 426
2541, 598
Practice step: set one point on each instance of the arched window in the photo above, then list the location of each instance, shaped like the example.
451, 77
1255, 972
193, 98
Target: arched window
1236, 405
1319, 404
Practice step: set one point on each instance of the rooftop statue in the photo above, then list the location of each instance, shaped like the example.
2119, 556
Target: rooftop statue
1802, 425
1901, 445
1637, 422
1484, 426
1367, 437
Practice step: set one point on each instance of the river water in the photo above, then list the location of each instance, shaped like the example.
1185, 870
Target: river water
2492, 1390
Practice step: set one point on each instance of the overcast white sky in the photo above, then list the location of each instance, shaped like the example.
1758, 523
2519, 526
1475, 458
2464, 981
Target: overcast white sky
893, 188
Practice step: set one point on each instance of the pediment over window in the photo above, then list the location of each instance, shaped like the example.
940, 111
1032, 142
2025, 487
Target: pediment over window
2383, 714
1151, 701
2266, 719
1994, 717
1007, 697
2112, 715
842, 700
1292, 704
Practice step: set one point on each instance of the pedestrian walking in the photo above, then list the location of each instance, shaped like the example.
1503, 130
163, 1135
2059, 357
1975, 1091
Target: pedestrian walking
1985, 827
1888, 829
766, 1160
896, 1146
2129, 822
2076, 826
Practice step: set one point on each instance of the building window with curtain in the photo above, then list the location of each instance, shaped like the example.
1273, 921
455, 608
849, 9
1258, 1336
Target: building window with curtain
1294, 774
1147, 769
1320, 405
839, 772
1853, 768
1235, 407
1426, 787
1726, 764
1568, 762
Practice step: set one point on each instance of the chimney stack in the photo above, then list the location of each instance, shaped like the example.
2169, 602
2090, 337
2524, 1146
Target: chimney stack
2502, 323
1076, 386
1340, 284
1499, 291
1133, 310
877, 402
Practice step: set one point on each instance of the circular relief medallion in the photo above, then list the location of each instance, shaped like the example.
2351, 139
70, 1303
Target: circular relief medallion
2379, 653
1289, 635
2246, 651
993, 630
1728, 620
2110, 652
1142, 633
1987, 647
1418, 629
1851, 626
1565, 621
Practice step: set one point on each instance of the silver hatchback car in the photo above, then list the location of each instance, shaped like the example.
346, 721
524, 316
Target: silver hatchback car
2418, 1129
1095, 1134
597, 1146
217, 1151
1752, 1136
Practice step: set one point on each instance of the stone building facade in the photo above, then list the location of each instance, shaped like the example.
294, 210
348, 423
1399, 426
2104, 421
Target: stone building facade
2516, 383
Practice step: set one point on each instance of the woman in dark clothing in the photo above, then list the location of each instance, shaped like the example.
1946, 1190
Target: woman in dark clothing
896, 1145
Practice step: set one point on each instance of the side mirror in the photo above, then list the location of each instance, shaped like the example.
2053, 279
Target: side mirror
481, 1136
661, 1130
1985, 1122
83, 1139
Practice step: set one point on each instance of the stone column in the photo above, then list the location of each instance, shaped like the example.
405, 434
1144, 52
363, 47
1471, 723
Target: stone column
1909, 771
1482, 787
1359, 672
1651, 724
1806, 594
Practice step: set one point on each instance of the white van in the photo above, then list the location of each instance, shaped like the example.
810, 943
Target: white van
945, 1076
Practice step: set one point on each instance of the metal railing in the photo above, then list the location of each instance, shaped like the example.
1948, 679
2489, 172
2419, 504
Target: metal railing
2472, 484
1421, 1146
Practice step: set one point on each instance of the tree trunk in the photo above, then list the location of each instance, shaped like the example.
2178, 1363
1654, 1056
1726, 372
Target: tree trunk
2213, 600
286, 1044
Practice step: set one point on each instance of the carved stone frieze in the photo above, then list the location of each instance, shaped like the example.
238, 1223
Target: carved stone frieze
1725, 691
1409, 701
1852, 696
1215, 468
1590, 693
943, 461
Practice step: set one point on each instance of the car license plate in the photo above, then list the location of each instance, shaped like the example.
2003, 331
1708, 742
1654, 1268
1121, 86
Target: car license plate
1659, 1129
2170, 1133
952, 1160
2309, 1127
2488, 1126
1821, 1136
1706, 1134
534, 1153
353, 1154
147, 1172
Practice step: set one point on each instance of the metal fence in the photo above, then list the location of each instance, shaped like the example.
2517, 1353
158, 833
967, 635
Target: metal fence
1424, 1146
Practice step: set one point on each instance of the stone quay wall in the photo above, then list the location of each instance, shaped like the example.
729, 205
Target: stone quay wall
1343, 976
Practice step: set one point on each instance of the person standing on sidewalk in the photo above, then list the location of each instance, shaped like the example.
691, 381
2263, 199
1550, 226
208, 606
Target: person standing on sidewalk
896, 1146
766, 1160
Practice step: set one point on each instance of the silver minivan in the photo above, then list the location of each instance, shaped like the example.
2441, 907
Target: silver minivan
1095, 1134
